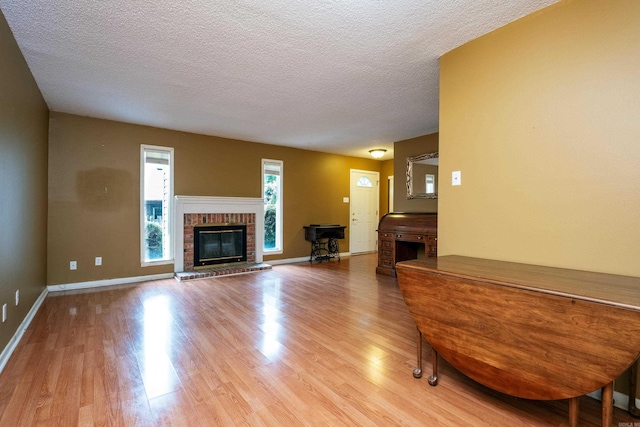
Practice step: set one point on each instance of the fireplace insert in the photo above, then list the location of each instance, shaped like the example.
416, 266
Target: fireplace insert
219, 244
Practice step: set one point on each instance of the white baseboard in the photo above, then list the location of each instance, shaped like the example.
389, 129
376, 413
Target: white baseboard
107, 282
620, 400
300, 259
13, 342
287, 260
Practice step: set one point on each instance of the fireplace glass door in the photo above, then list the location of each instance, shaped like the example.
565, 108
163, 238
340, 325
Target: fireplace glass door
217, 244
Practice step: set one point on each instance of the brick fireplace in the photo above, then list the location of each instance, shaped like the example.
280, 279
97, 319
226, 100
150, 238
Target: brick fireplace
195, 219
195, 210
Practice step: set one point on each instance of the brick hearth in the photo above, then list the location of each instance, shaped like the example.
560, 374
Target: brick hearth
226, 270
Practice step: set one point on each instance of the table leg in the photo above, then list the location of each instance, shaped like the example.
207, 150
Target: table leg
607, 404
417, 373
633, 379
574, 411
334, 248
433, 378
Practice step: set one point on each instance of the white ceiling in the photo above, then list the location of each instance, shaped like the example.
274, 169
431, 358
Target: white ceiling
339, 76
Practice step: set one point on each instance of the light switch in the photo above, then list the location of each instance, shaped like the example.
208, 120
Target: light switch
456, 179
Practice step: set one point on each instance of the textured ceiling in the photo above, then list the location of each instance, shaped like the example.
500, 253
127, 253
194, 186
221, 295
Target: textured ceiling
339, 76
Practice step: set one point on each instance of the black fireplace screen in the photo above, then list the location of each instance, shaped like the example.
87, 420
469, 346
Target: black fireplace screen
219, 243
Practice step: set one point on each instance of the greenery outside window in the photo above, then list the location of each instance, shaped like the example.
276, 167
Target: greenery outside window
272, 177
156, 197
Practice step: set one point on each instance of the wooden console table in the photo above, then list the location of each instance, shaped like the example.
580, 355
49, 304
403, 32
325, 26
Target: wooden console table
528, 331
402, 235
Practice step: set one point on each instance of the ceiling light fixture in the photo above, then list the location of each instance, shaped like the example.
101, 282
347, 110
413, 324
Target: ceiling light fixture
377, 152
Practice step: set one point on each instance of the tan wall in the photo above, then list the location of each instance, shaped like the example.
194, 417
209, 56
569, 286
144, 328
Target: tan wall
87, 155
541, 118
411, 148
23, 185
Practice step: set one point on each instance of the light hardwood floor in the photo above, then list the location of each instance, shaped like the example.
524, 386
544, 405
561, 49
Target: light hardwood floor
322, 344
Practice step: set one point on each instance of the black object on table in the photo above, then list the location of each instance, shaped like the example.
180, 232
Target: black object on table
324, 241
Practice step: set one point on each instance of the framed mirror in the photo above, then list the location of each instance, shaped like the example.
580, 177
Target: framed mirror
422, 176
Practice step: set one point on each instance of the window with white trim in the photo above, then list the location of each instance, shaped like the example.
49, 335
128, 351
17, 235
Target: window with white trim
156, 197
272, 194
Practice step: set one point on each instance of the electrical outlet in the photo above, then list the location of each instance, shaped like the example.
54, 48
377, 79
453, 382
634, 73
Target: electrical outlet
98, 260
73, 265
4, 312
17, 296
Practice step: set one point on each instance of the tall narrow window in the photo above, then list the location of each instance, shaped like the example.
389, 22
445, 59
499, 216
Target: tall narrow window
156, 195
272, 193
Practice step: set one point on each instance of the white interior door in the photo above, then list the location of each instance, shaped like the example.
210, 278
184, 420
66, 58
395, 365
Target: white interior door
365, 196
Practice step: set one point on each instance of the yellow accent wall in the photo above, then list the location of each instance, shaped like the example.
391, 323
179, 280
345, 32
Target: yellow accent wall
542, 117
88, 155
23, 185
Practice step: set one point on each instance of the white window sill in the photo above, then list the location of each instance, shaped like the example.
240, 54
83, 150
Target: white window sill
158, 262
272, 252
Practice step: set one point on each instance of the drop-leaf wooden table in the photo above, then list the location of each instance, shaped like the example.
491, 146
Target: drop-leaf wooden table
528, 331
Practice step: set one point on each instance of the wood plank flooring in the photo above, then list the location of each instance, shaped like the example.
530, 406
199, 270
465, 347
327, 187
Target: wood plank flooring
317, 345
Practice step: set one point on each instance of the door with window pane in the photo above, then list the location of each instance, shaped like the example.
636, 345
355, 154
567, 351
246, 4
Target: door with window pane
364, 211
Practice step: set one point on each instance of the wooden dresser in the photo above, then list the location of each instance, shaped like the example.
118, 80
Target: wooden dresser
405, 236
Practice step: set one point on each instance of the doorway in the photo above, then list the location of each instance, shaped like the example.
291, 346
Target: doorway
365, 199
391, 184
